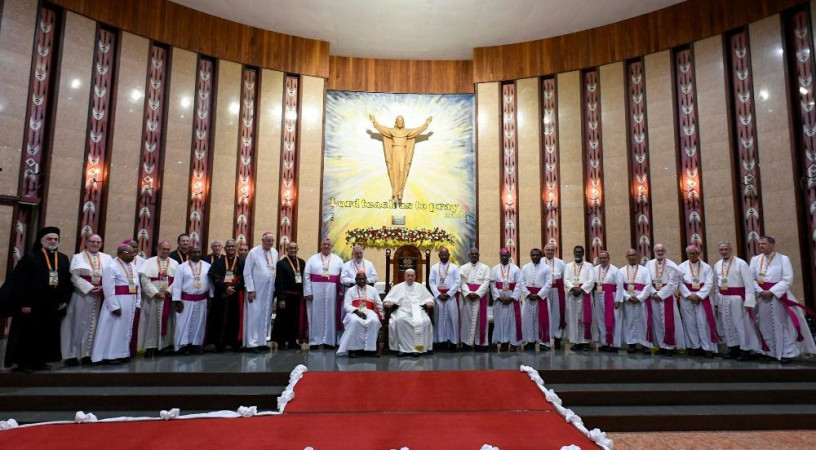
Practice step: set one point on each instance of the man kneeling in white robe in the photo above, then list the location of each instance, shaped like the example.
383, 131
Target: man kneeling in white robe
363, 310
410, 330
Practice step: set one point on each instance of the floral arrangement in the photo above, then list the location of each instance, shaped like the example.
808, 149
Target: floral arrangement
394, 237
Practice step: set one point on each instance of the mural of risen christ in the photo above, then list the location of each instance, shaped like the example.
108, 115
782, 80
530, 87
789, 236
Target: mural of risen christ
398, 146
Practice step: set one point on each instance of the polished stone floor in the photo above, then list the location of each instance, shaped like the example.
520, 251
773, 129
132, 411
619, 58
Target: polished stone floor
327, 360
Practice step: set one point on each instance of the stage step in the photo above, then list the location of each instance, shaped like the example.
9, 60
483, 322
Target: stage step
26, 417
710, 417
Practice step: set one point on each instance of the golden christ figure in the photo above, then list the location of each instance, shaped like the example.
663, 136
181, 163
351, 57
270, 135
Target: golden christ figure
398, 146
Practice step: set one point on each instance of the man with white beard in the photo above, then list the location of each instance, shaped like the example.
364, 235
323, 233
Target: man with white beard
781, 320
122, 292
259, 279
506, 287
578, 283
444, 283
698, 311
557, 295
536, 285
736, 300
355, 265
321, 286
662, 309
410, 331
364, 310
78, 326
475, 287
156, 324
191, 292
607, 300
637, 329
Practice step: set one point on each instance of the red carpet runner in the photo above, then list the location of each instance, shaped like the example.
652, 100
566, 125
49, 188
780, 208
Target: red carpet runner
352, 410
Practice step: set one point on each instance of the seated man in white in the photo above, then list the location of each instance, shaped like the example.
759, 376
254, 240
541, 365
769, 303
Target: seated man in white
363, 310
410, 331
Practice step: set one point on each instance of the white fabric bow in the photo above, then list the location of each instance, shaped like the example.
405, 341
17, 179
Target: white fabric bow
172, 414
599, 437
245, 411
8, 424
81, 417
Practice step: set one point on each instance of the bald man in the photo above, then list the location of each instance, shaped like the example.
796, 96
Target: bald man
663, 311
356, 265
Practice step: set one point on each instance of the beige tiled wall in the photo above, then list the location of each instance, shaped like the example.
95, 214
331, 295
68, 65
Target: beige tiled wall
70, 129
529, 164
488, 145
177, 147
715, 150
16, 41
126, 148
572, 168
775, 157
225, 152
616, 163
311, 163
662, 154
267, 179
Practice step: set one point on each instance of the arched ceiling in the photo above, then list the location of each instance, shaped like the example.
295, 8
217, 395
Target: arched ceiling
424, 29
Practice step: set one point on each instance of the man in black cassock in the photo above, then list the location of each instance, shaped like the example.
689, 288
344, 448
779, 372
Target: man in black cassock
290, 319
35, 297
224, 319
183, 247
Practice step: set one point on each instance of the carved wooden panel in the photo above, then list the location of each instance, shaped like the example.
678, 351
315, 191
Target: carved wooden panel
551, 188
97, 149
593, 163
245, 179
201, 158
746, 147
287, 219
691, 186
40, 102
509, 174
150, 167
639, 181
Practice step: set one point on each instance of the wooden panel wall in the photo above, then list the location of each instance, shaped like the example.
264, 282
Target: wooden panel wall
680, 24
392, 75
179, 26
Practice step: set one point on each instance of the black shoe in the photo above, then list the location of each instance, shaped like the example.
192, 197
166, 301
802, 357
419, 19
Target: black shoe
22, 369
252, 350
41, 366
150, 352
112, 362
352, 353
575, 347
668, 352
400, 354
197, 350
709, 355
86, 360
603, 348
314, 347
466, 347
557, 343
71, 362
733, 353
632, 348
744, 355
185, 350
784, 360
646, 350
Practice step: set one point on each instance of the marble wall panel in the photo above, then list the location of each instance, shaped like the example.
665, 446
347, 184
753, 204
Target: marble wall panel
70, 130
225, 153
268, 154
528, 126
662, 151
311, 164
488, 144
573, 225
125, 150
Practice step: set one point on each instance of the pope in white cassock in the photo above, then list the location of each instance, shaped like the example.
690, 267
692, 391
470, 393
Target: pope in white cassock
78, 326
607, 299
321, 284
667, 327
637, 288
120, 287
191, 292
363, 312
259, 278
736, 300
698, 309
537, 284
782, 323
356, 265
444, 283
475, 287
506, 284
157, 321
410, 330
578, 284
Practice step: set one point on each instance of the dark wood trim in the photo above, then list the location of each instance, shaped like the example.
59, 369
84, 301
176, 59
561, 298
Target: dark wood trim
630, 172
205, 216
256, 102
282, 148
738, 245
163, 141
582, 149
678, 164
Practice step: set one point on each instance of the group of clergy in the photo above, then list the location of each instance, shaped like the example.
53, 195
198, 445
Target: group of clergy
660, 306
178, 301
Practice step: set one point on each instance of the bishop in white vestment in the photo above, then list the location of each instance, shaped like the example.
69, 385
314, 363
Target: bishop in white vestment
191, 292
321, 284
444, 283
122, 292
259, 278
536, 314
667, 327
557, 296
698, 309
363, 312
607, 299
736, 300
637, 288
475, 286
355, 265
506, 284
79, 325
157, 321
578, 284
410, 330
